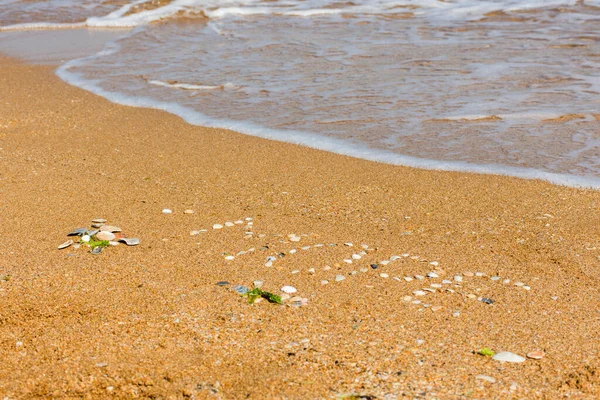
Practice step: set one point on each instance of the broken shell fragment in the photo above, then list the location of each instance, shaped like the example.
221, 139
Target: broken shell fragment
77, 232
96, 250
65, 244
99, 221
130, 241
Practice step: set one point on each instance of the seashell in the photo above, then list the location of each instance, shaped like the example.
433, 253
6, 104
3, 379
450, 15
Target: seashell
130, 241
189, 211
77, 232
217, 226
339, 278
65, 244
99, 221
257, 284
507, 356
289, 289
167, 211
113, 243
96, 250
110, 228
97, 225
92, 232
85, 238
432, 275
105, 235
222, 283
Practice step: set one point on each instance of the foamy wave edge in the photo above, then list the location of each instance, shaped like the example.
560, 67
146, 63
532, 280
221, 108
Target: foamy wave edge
312, 140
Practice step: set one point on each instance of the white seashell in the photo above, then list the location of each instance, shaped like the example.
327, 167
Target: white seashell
65, 244
99, 221
434, 263
339, 278
166, 211
394, 258
407, 298
356, 256
458, 278
238, 222
384, 262
229, 223
229, 258
189, 211
348, 244
217, 226
85, 238
432, 275
384, 275
324, 282
348, 261
408, 278
507, 356
419, 293
257, 284
105, 235
289, 289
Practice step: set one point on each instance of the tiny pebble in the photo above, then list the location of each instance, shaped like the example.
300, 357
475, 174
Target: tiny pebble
339, 278
296, 271
166, 211
229, 258
348, 261
407, 298
432, 275
487, 301
229, 223
257, 284
217, 226
416, 301
194, 233
469, 274
471, 296
436, 308
519, 284
408, 278
222, 283
419, 293
384, 262
456, 314
356, 256
554, 298
527, 287
536, 355
434, 263
436, 285
324, 282
374, 266
292, 251
419, 277
189, 212
311, 270
394, 258
326, 268
446, 282
363, 269
384, 275
479, 274
348, 244
506, 281
238, 222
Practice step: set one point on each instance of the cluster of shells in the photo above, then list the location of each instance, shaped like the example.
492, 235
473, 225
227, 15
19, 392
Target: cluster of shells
99, 231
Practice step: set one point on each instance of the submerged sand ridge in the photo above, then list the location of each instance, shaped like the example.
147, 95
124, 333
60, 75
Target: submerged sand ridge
151, 321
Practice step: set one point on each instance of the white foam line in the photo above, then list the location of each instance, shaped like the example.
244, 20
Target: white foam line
185, 86
311, 140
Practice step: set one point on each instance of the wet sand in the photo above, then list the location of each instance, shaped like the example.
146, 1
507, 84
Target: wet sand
149, 321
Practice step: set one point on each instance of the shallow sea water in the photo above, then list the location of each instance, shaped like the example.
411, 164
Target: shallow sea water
501, 86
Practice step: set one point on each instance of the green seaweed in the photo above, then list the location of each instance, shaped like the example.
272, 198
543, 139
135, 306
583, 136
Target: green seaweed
486, 352
256, 293
95, 242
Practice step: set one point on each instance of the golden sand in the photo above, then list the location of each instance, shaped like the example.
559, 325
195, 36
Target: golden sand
149, 321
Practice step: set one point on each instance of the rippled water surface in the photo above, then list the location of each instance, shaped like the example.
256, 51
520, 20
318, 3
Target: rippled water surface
491, 86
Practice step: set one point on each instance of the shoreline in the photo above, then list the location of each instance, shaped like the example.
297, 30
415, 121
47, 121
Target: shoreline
149, 320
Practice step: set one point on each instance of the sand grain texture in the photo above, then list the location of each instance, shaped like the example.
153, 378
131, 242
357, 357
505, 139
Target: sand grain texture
149, 322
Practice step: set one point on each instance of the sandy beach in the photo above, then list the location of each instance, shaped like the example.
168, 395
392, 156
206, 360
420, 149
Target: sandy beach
149, 321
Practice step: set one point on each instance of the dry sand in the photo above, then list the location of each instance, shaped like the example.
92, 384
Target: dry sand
150, 322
